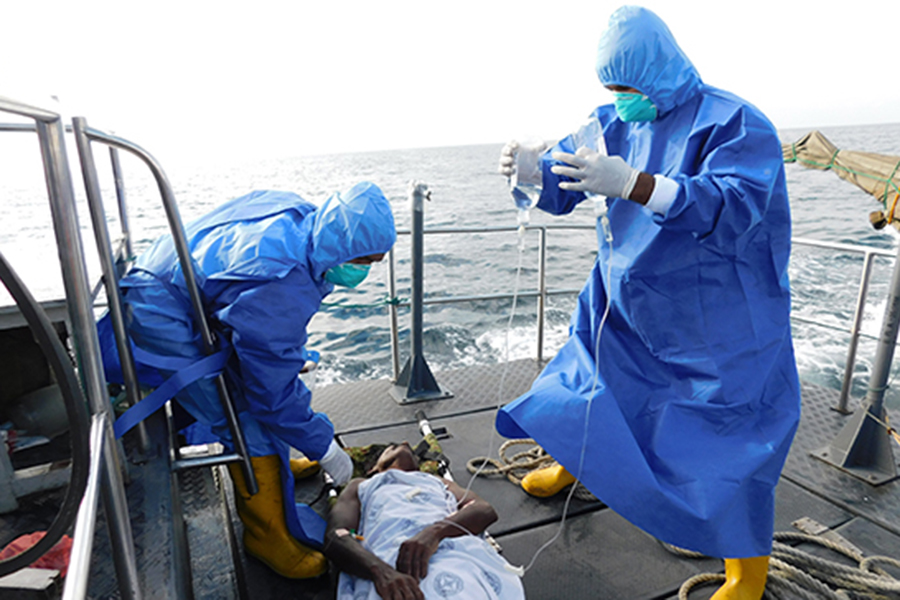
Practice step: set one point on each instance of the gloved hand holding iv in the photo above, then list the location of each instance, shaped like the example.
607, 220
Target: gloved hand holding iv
337, 463
521, 163
522, 160
596, 173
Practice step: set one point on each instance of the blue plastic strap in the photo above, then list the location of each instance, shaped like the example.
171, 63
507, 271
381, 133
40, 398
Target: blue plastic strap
209, 365
312, 526
166, 363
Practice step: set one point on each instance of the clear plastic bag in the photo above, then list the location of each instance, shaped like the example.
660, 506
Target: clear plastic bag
590, 135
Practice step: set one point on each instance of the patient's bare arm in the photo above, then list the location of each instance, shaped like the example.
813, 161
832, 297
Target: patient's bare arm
348, 555
473, 516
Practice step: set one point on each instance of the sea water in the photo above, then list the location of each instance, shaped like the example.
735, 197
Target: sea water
352, 329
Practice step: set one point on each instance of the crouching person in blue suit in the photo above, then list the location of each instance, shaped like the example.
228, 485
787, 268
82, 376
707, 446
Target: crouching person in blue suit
264, 262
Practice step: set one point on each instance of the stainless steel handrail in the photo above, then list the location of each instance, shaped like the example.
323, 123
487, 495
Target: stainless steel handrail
543, 292
83, 536
50, 131
179, 238
855, 332
110, 271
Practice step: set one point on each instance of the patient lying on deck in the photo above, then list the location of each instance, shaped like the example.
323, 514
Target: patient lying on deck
389, 535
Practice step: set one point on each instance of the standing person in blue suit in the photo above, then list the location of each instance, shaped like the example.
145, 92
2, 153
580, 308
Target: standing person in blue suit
676, 397
264, 262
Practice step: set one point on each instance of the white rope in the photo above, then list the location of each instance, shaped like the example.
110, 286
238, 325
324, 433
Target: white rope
520, 464
794, 573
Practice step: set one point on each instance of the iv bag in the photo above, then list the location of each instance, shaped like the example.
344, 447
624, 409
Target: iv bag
524, 185
590, 135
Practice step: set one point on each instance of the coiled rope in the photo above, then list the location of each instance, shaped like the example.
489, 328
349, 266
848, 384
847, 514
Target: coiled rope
793, 574
517, 466
797, 574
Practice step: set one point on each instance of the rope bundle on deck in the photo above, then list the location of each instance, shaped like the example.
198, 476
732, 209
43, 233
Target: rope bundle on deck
519, 465
794, 573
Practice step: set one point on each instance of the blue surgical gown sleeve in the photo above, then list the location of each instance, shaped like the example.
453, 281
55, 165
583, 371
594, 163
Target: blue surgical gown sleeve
268, 331
738, 167
554, 200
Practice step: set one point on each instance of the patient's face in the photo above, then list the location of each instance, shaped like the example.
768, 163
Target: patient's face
397, 456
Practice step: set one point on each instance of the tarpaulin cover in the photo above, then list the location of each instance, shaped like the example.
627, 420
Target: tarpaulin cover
680, 412
876, 174
259, 261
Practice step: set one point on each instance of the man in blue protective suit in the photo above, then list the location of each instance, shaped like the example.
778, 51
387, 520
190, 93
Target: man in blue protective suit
676, 397
264, 262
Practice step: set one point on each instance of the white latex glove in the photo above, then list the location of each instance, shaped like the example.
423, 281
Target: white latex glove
508, 159
337, 463
524, 157
597, 174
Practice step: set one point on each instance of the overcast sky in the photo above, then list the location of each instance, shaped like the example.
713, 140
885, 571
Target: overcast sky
267, 78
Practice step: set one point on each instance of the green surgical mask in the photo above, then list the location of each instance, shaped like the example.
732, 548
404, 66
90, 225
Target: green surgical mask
347, 274
633, 108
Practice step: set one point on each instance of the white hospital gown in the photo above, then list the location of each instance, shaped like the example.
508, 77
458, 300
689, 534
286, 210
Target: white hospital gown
395, 505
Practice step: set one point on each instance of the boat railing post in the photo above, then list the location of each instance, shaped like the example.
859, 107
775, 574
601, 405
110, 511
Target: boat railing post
110, 271
542, 291
123, 207
395, 328
179, 238
854, 333
83, 537
75, 281
862, 447
416, 382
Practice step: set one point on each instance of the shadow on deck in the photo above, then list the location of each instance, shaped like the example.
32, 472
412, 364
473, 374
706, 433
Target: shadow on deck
598, 554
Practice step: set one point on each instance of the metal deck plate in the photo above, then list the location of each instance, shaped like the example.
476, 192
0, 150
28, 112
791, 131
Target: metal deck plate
818, 427
598, 555
208, 536
368, 404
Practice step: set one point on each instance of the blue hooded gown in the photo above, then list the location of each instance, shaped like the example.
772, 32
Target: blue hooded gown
259, 261
679, 412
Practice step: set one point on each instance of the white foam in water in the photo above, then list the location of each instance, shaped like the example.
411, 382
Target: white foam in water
523, 341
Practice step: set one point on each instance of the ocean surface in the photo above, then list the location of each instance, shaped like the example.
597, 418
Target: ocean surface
352, 331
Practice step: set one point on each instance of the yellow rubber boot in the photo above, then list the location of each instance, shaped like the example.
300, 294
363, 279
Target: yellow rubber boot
303, 467
548, 481
745, 579
266, 536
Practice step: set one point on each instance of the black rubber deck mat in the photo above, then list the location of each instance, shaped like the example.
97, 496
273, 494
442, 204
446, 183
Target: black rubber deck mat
793, 503
469, 437
599, 556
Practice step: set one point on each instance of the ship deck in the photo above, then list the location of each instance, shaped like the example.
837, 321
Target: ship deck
597, 555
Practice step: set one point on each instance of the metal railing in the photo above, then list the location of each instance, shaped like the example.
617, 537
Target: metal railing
106, 473
543, 292
50, 132
83, 536
84, 135
105, 479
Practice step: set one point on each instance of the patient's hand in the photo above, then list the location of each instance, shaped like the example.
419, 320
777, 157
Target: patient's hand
416, 552
393, 585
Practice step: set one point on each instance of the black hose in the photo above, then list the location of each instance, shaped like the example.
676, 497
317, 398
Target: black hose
56, 355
